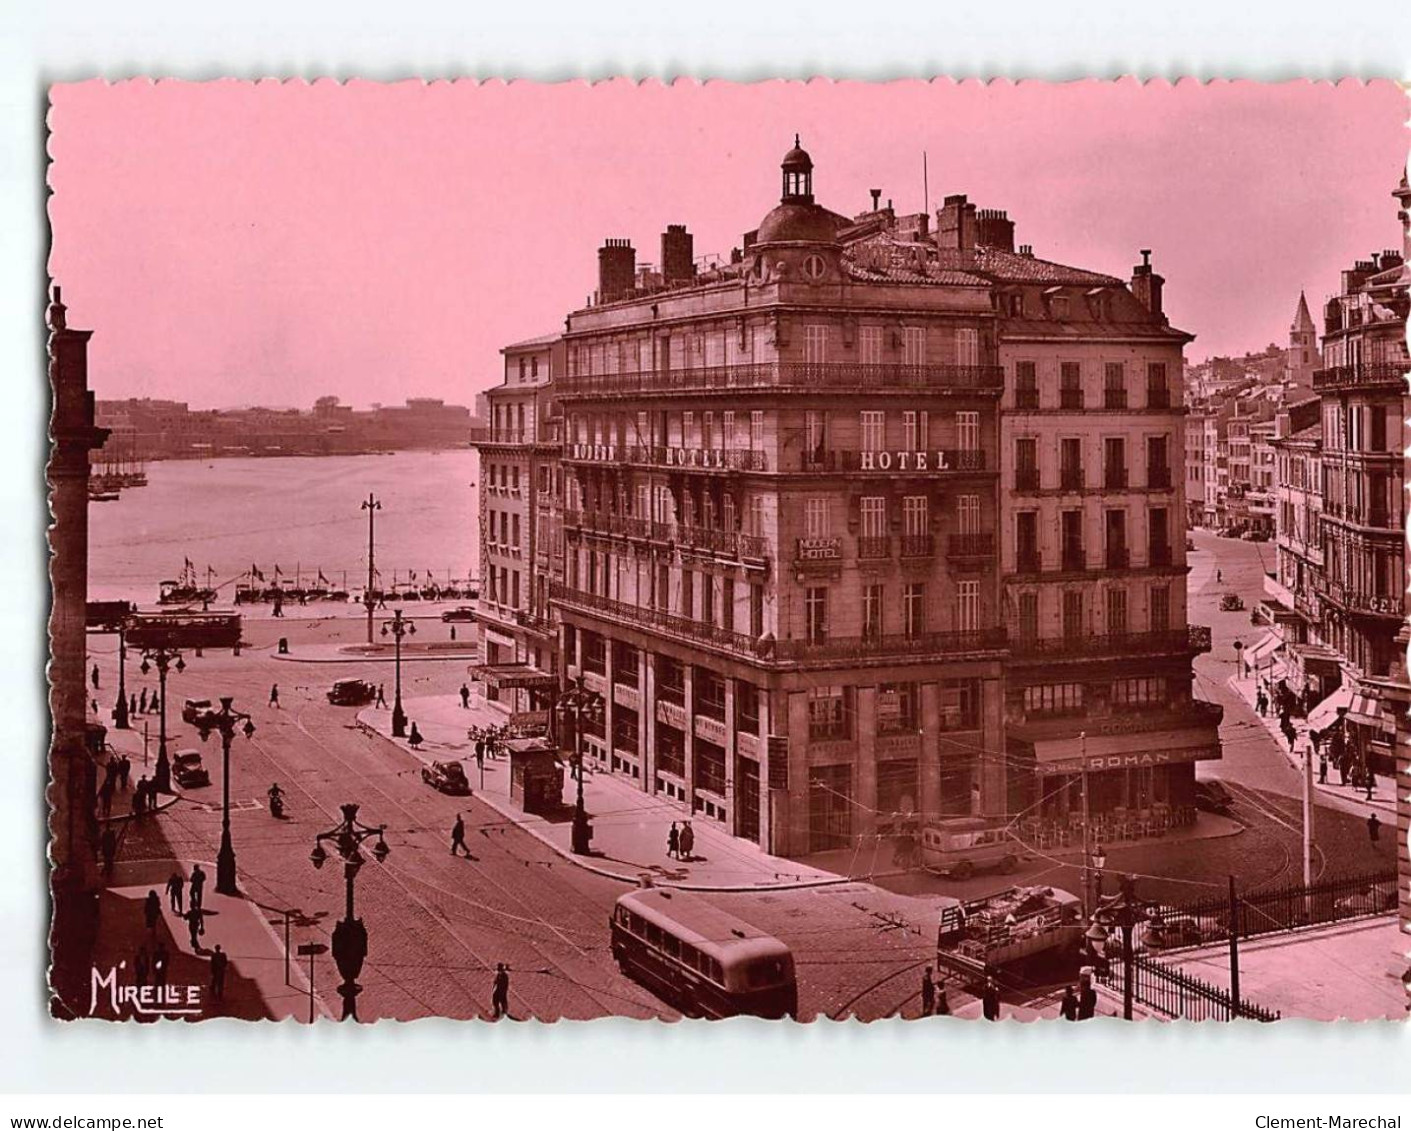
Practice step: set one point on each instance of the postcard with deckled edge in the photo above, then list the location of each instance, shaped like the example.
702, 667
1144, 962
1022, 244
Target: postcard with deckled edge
797, 550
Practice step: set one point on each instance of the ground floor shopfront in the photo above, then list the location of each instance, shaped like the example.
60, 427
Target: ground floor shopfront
795, 759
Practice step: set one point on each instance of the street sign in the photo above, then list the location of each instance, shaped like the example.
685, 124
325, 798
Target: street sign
778, 761
309, 949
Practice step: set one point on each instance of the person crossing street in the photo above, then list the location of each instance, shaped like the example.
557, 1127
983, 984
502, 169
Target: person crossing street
458, 838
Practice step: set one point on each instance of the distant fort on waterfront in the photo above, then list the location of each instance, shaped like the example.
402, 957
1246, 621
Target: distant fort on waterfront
148, 429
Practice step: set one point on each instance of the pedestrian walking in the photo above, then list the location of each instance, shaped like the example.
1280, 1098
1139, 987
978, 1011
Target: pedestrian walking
132, 704
990, 1000
414, 739
500, 997
465, 697
105, 796
381, 700
942, 1001
1068, 1007
139, 797
1261, 704
480, 749
1322, 769
688, 841
673, 841
453, 632
161, 959
1371, 782
928, 993
108, 846
220, 963
274, 695
152, 909
141, 965
95, 677
93, 705
196, 927
1374, 828
175, 888
1087, 996
198, 888
1219, 576
458, 837
142, 702
1342, 770
124, 771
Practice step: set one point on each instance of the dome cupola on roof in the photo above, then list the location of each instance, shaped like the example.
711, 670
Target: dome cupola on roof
797, 167
796, 218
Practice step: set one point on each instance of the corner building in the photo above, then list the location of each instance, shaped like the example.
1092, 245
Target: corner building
780, 516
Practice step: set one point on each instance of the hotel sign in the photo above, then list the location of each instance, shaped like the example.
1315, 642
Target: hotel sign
819, 549
906, 461
599, 453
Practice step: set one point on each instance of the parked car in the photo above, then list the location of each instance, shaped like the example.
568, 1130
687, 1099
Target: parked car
352, 693
1231, 603
460, 612
1213, 797
1255, 536
1167, 928
1371, 900
187, 770
194, 710
448, 777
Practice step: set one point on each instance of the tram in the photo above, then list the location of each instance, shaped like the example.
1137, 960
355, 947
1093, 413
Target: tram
702, 959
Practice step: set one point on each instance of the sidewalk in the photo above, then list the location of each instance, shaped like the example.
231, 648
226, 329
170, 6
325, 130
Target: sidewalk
1354, 799
629, 826
255, 987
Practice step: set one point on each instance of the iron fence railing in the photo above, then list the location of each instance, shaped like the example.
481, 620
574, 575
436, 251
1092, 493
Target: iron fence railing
1176, 994
1290, 907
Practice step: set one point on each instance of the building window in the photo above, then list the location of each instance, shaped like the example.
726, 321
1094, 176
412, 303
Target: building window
873, 431
967, 514
1158, 392
874, 516
1158, 544
514, 589
688, 596
756, 430
1053, 699
871, 612
815, 345
1139, 692
869, 345
1072, 615
1114, 385
1028, 616
1116, 612
967, 431
913, 609
1160, 608
916, 430
829, 712
960, 704
816, 516
1026, 541
1070, 385
914, 346
816, 614
727, 429
727, 604
1071, 531
708, 598
815, 435
1070, 464
915, 511
755, 519
967, 606
1026, 384
707, 430
898, 708
967, 346
1158, 470
1114, 463
514, 532
688, 428
1116, 529
1026, 463
756, 610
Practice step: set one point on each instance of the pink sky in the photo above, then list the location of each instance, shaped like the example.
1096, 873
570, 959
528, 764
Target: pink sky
232, 243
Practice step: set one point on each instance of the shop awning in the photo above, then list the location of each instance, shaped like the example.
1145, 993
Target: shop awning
1370, 713
1326, 713
1262, 648
510, 677
1125, 751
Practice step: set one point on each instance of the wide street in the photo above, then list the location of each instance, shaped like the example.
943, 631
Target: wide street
438, 924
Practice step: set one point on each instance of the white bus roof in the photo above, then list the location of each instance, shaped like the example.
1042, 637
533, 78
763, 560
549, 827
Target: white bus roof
700, 923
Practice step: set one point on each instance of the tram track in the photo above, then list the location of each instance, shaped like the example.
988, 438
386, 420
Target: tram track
1251, 799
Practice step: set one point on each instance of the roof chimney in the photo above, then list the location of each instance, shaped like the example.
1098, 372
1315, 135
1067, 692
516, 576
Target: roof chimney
876, 198
617, 270
955, 224
677, 255
1147, 284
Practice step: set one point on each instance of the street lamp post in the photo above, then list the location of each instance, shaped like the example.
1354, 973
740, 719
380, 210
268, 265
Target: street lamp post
1239, 652
164, 657
371, 505
1124, 912
398, 627
120, 715
224, 722
579, 703
349, 934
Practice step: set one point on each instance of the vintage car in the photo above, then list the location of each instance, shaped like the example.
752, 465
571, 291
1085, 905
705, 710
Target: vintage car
194, 711
1372, 900
460, 612
1231, 603
1213, 797
1166, 928
1256, 536
448, 777
187, 770
352, 693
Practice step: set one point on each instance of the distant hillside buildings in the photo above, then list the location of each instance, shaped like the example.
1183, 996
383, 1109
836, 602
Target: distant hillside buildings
161, 429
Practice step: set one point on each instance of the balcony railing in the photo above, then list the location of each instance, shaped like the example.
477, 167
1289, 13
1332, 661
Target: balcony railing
1026, 479
980, 544
1158, 396
1158, 555
657, 455
1074, 559
729, 543
1028, 562
788, 375
874, 548
926, 462
866, 647
1114, 478
1114, 398
679, 626
1193, 638
1159, 478
1117, 557
1070, 398
1388, 373
1026, 398
918, 545
1071, 479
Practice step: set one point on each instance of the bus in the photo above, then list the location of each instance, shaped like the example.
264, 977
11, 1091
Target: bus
957, 846
702, 959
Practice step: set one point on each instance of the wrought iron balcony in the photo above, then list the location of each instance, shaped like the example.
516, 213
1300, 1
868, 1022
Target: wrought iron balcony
918, 545
1158, 555
1028, 562
1159, 478
874, 548
1194, 638
1158, 396
1026, 479
1026, 398
787, 375
1070, 398
1114, 398
1388, 374
1074, 559
1117, 557
657, 455
975, 545
1071, 478
895, 644
1114, 478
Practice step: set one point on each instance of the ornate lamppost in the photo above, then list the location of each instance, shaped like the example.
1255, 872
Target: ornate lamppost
164, 657
397, 628
579, 703
120, 713
372, 506
224, 722
349, 934
1122, 911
